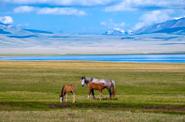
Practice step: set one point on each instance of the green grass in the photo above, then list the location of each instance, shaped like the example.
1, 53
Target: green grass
88, 115
144, 92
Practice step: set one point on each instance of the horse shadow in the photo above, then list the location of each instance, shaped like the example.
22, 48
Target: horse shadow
92, 103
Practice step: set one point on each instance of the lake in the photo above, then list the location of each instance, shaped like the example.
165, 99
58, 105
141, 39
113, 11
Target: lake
148, 58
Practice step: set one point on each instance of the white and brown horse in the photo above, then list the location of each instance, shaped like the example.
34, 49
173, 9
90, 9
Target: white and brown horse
99, 84
67, 88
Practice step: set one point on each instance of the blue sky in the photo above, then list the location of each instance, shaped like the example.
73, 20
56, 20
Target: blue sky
89, 16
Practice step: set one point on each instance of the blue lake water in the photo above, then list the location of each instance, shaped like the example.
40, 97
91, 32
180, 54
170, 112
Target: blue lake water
149, 58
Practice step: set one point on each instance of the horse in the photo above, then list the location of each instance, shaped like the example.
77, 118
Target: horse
98, 84
67, 88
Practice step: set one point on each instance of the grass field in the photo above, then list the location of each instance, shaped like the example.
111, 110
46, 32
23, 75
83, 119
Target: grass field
29, 91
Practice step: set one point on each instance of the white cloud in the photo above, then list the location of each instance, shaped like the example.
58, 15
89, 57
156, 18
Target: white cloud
61, 2
61, 11
47, 10
179, 17
153, 17
129, 5
6, 20
24, 9
111, 25
125, 5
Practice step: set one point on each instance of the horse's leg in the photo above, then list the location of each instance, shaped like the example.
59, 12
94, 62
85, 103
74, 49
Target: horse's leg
101, 94
90, 90
93, 93
110, 93
66, 97
74, 98
63, 97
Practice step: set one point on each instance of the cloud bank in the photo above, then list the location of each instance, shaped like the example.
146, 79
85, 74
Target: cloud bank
24, 9
153, 17
131, 5
61, 11
61, 2
47, 10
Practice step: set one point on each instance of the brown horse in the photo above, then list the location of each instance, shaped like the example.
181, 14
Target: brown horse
67, 88
99, 84
95, 86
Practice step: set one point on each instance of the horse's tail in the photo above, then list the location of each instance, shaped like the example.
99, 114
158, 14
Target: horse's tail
113, 87
62, 94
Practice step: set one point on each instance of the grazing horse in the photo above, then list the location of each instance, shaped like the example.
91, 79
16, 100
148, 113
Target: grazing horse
98, 84
67, 88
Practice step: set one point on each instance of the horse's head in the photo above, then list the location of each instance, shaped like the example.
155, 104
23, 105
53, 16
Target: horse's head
83, 81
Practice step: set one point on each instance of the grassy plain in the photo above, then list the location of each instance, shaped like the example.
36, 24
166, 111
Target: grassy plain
29, 91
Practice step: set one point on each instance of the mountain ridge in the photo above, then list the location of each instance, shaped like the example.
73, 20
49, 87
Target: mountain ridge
174, 26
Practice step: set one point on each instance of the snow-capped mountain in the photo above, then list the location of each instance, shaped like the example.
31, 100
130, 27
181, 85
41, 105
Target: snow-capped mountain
18, 32
116, 32
175, 26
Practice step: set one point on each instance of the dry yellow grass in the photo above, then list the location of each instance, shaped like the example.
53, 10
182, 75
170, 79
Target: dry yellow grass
69, 115
95, 65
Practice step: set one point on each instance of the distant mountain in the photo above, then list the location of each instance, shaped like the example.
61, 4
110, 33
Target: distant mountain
2, 31
27, 36
17, 32
175, 26
19, 40
115, 32
38, 31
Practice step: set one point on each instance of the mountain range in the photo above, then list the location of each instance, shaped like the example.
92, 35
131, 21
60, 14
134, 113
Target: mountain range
175, 26
19, 32
166, 37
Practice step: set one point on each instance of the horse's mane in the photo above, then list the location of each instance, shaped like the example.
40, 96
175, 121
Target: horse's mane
89, 78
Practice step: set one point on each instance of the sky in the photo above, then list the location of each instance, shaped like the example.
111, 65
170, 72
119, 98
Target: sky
89, 16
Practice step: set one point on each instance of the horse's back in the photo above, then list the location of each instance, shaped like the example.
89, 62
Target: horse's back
107, 83
69, 87
97, 86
